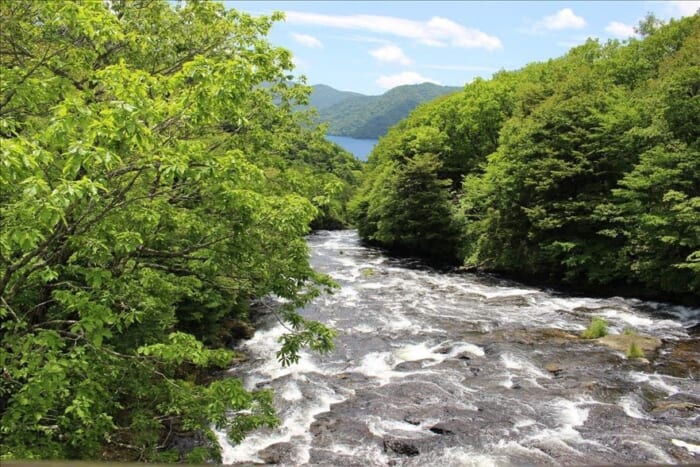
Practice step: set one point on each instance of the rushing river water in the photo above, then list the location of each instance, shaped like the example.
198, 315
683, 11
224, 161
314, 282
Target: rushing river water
440, 369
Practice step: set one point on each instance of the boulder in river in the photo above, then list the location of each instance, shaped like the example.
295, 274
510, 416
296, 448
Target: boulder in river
553, 368
441, 429
402, 447
278, 453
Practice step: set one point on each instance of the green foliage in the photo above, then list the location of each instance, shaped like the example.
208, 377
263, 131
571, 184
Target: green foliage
634, 351
598, 328
370, 117
154, 181
368, 272
581, 170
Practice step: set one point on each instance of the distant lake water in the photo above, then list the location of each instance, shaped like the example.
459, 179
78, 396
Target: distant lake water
360, 148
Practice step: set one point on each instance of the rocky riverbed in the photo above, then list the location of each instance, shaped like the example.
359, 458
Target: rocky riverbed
436, 368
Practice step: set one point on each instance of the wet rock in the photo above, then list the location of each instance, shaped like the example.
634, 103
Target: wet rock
332, 428
278, 453
411, 420
553, 368
354, 377
622, 342
681, 406
264, 385
513, 300
441, 429
401, 447
683, 454
590, 385
556, 332
409, 366
679, 358
558, 335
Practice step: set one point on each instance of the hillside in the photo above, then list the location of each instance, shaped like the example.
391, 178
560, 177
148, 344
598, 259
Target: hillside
370, 117
324, 96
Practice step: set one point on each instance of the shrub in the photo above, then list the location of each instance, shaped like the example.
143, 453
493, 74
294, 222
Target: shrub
634, 351
597, 328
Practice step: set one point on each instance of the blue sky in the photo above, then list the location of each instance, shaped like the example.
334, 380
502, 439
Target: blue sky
370, 47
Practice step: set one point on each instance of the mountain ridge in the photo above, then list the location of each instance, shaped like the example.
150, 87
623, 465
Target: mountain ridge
369, 117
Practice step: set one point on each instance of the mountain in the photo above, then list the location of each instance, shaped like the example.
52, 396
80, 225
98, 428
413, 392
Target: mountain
324, 96
369, 117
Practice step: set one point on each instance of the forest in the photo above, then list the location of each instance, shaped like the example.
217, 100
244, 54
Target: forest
155, 185
581, 171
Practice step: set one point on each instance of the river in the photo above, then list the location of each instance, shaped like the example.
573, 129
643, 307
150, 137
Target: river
447, 369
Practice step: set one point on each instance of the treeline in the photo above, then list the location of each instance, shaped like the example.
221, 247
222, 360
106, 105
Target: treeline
583, 170
154, 183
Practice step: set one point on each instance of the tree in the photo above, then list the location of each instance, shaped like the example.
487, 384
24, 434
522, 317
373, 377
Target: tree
131, 231
415, 216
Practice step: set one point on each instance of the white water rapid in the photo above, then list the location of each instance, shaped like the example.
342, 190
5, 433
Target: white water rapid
442, 369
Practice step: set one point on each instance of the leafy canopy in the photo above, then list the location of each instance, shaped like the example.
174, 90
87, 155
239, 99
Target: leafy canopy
155, 182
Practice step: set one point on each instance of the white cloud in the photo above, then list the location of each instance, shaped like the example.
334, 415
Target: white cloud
391, 54
621, 30
307, 41
407, 77
562, 19
686, 8
438, 32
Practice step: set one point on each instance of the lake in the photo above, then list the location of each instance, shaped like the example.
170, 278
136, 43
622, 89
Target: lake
360, 148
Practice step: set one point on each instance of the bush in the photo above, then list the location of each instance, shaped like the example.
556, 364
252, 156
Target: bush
597, 328
634, 351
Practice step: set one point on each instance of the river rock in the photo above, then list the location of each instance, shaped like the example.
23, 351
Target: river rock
679, 358
682, 406
558, 334
410, 366
278, 453
553, 368
622, 342
441, 429
401, 447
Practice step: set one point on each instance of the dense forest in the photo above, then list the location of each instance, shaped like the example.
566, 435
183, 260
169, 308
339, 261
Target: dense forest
155, 183
369, 117
583, 170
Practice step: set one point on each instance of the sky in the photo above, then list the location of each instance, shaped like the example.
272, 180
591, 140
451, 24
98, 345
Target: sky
370, 47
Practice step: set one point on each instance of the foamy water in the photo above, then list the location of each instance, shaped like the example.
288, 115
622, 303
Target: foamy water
448, 369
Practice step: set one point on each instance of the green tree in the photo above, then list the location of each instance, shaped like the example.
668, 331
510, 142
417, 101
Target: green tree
657, 204
133, 228
415, 216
